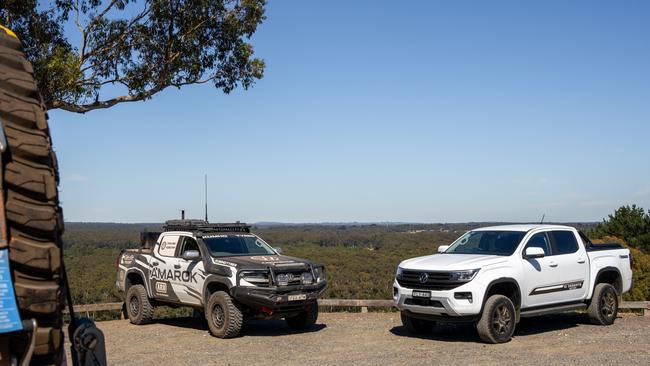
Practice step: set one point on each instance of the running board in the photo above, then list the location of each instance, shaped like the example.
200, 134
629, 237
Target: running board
552, 309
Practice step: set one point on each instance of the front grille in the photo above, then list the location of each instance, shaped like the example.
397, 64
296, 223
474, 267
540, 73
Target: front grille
294, 278
424, 302
437, 281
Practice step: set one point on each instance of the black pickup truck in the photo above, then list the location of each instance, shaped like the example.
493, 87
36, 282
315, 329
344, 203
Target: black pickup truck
221, 270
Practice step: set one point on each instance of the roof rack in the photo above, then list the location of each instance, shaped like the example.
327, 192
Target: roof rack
205, 227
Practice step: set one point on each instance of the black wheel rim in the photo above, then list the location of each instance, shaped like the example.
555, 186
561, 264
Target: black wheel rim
608, 305
218, 316
135, 305
501, 320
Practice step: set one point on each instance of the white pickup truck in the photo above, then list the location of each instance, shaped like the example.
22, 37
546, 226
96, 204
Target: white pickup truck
493, 276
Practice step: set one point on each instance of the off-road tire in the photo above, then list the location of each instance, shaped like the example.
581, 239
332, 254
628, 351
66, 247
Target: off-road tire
498, 320
415, 325
604, 305
32, 218
225, 318
138, 306
304, 320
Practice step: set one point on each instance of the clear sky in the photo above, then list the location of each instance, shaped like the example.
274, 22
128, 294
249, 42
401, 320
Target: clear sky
422, 111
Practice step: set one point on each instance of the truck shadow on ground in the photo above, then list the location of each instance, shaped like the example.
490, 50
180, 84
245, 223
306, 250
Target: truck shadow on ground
466, 332
253, 327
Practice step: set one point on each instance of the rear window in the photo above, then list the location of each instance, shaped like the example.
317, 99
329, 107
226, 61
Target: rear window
564, 242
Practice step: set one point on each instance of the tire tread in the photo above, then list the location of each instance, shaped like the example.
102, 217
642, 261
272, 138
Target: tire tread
33, 216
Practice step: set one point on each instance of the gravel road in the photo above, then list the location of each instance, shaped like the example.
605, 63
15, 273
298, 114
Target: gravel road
379, 339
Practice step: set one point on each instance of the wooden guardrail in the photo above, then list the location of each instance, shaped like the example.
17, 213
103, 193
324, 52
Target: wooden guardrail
351, 303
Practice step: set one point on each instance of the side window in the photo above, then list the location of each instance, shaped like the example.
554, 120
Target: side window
564, 242
187, 243
540, 240
168, 245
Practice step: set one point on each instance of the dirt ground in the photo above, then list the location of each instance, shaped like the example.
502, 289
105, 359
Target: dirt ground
379, 339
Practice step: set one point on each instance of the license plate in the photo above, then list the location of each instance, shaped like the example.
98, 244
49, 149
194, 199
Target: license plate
422, 294
297, 297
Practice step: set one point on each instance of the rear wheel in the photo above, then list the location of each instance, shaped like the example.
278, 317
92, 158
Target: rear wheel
604, 305
224, 317
497, 323
30, 219
304, 320
415, 325
138, 306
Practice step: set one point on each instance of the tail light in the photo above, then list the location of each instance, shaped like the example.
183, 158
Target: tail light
631, 260
117, 262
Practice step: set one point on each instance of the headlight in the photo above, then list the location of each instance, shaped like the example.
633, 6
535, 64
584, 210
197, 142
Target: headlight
319, 273
399, 272
463, 275
257, 278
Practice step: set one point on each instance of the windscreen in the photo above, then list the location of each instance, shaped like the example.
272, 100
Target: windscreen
487, 242
233, 245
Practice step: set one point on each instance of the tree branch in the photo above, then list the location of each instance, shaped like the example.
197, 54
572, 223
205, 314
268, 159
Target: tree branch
83, 108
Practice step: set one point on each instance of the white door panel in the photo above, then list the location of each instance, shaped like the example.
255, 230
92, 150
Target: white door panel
559, 277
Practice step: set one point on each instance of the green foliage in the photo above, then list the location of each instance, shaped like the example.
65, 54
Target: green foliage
137, 47
641, 275
630, 223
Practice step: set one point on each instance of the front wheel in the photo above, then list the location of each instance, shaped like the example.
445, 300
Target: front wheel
497, 323
304, 320
414, 325
224, 317
604, 305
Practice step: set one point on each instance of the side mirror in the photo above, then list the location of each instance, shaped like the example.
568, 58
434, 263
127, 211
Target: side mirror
278, 250
443, 248
534, 252
191, 255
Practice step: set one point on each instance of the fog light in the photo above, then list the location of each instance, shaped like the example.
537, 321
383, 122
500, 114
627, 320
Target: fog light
306, 278
282, 279
394, 291
463, 296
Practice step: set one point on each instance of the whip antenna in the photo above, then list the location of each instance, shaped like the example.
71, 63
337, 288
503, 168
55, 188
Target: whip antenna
206, 198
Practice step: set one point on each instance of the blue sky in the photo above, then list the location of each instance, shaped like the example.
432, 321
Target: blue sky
419, 111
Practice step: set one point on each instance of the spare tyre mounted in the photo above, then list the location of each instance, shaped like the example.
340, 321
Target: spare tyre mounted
31, 221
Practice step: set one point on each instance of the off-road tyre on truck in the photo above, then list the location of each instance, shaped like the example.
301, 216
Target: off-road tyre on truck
138, 306
31, 220
498, 320
225, 318
304, 320
415, 325
603, 307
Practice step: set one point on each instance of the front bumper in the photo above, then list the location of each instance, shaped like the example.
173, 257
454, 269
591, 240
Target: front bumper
441, 304
277, 298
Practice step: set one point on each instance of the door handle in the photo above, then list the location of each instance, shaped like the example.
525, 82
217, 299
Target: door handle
154, 263
580, 260
552, 264
177, 266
